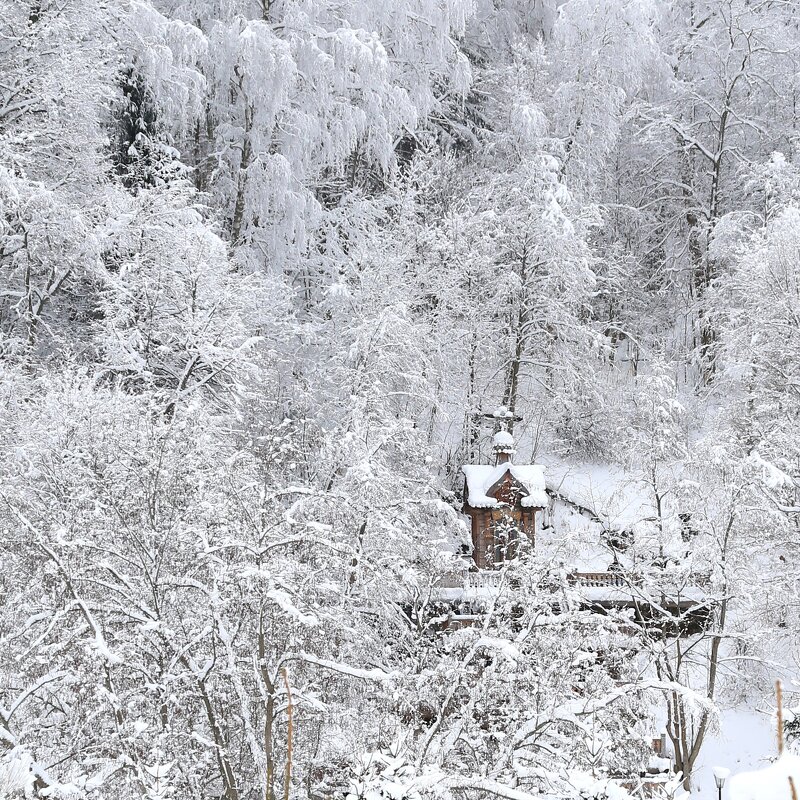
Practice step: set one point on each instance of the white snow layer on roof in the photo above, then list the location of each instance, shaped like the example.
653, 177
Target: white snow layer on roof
503, 439
481, 478
619, 498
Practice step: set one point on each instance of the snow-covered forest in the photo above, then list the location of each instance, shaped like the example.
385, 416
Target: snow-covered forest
267, 270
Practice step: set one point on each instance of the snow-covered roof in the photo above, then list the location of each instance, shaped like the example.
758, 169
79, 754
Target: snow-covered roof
620, 499
481, 478
503, 440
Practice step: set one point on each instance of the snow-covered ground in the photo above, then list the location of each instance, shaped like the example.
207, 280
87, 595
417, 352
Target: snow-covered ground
745, 741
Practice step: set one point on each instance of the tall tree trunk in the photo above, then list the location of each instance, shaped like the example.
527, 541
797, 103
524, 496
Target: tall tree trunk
269, 710
511, 390
241, 186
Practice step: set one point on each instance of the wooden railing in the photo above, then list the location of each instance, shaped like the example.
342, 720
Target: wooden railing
451, 580
480, 579
484, 579
492, 579
599, 580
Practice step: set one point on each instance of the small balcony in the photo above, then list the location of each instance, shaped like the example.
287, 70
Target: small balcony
471, 579
602, 580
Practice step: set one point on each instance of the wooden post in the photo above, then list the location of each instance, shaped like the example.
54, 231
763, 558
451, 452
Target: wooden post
288, 776
779, 695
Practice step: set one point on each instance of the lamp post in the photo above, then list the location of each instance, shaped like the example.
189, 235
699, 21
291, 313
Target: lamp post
720, 776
